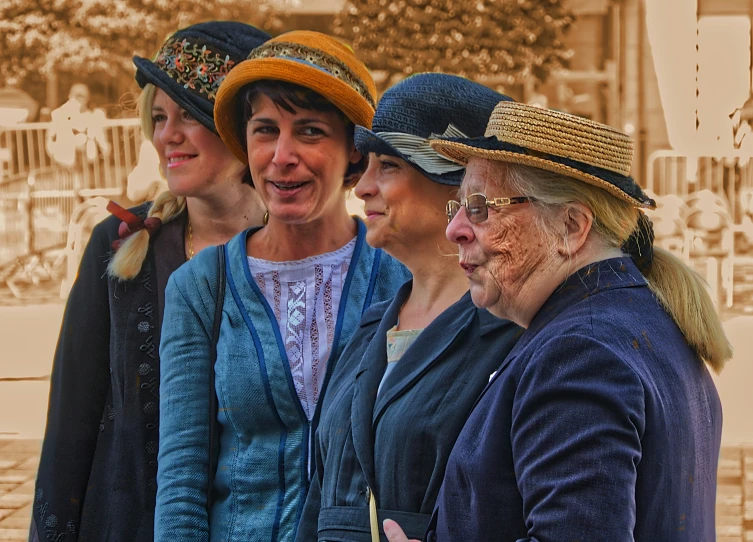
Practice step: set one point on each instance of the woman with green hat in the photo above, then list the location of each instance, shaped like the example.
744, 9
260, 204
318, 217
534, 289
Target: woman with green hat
294, 292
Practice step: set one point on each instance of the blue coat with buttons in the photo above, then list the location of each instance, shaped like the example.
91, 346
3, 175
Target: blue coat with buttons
601, 425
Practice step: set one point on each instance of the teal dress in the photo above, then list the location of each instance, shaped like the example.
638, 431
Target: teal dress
263, 467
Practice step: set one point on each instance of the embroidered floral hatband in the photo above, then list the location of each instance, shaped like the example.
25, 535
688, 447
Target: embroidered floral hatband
198, 67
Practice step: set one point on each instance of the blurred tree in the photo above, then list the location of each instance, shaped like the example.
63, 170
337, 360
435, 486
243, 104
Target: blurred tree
509, 39
101, 36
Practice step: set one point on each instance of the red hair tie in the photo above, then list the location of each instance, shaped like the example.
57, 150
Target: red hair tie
131, 223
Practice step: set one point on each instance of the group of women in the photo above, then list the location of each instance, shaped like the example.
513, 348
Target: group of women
241, 359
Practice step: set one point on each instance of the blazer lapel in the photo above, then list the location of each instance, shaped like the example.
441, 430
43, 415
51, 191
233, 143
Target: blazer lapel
488, 324
422, 354
369, 375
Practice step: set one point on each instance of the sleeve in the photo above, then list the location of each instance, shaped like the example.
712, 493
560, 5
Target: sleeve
577, 423
184, 412
79, 386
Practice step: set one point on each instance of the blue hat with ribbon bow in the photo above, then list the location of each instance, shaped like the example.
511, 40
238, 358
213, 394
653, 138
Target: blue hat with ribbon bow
422, 107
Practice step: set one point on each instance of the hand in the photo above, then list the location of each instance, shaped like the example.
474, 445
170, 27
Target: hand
394, 532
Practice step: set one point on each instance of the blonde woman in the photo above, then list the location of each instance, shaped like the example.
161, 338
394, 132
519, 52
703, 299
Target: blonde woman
97, 475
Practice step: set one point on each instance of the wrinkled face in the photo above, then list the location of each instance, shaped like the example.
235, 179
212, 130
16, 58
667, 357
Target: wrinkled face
192, 158
403, 208
501, 255
298, 160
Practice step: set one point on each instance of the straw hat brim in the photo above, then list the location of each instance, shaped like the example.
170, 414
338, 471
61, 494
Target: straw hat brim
367, 141
492, 149
342, 95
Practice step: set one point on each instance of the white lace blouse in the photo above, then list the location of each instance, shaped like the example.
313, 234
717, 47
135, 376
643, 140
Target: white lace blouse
305, 296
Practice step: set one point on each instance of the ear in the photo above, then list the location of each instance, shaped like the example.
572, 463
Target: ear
355, 156
578, 220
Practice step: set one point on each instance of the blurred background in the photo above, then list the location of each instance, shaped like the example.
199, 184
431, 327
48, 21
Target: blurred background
677, 75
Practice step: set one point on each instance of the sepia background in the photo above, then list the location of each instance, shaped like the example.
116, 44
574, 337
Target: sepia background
674, 74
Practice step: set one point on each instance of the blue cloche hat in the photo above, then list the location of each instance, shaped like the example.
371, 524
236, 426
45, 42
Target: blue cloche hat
192, 63
426, 105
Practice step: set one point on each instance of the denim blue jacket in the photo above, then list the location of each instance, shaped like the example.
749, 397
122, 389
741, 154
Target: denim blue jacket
263, 467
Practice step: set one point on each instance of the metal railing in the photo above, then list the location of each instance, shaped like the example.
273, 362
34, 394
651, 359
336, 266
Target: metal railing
39, 197
24, 148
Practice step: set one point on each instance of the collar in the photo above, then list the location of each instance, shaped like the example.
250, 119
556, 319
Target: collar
602, 276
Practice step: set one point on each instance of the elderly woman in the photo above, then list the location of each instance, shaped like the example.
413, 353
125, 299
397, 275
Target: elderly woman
603, 423
295, 292
408, 379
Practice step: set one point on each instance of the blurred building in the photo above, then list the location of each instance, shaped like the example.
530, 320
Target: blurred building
669, 72
611, 78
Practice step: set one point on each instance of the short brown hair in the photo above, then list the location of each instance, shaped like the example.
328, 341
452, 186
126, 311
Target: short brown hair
290, 96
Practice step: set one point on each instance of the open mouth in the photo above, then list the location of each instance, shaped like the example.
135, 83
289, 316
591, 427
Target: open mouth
287, 187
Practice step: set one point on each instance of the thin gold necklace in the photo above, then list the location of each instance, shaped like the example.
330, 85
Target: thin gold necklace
190, 240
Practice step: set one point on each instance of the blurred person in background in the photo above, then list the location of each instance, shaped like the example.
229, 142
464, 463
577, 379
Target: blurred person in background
75, 128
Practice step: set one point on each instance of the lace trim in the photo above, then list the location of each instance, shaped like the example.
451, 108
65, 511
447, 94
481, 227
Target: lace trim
329, 315
304, 300
318, 281
278, 293
296, 324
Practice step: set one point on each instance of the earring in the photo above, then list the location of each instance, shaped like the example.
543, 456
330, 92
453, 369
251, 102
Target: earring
266, 218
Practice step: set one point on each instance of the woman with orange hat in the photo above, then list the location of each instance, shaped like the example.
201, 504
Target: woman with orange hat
276, 304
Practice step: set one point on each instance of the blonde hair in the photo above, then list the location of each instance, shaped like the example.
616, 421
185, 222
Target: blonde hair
679, 289
127, 262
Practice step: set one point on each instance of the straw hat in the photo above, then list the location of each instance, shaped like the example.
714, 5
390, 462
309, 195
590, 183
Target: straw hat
573, 146
310, 59
417, 108
193, 61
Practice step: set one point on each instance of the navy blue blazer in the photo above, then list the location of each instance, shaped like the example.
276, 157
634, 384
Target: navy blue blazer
399, 442
601, 425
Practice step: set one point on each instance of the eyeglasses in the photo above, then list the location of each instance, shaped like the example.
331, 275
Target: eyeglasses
477, 206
